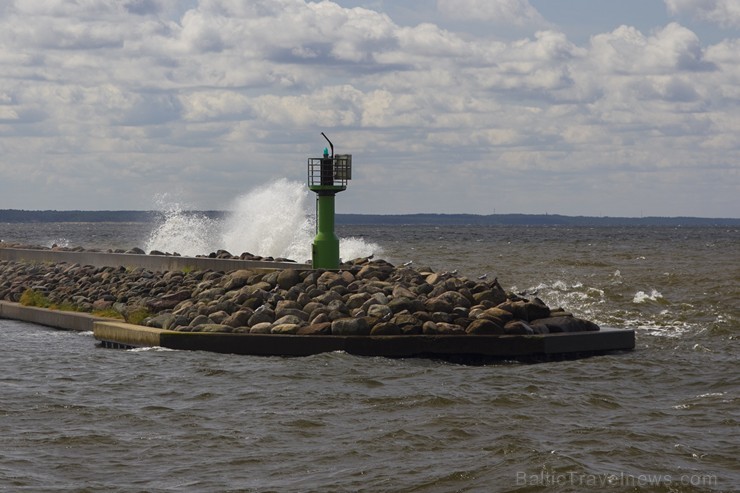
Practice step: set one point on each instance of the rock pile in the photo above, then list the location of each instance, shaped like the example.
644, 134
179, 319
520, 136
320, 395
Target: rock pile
365, 297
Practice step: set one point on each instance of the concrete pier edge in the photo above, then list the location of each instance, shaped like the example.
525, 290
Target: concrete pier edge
117, 334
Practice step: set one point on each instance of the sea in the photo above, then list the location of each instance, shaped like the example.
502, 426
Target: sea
75, 417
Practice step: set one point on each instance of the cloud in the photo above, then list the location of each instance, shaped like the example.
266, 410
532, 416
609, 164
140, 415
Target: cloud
207, 96
517, 12
725, 13
672, 48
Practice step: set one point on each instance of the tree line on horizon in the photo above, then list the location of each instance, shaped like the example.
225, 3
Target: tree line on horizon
50, 216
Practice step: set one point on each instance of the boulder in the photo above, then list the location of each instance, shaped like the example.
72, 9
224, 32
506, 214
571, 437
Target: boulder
565, 324
350, 327
441, 328
315, 329
381, 312
401, 291
168, 301
497, 315
288, 278
484, 326
284, 328
212, 328
261, 315
261, 328
219, 316
295, 312
239, 318
357, 300
400, 304
237, 279
385, 329
439, 304
518, 327
530, 310
490, 295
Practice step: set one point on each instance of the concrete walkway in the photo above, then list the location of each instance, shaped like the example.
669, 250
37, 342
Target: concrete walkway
161, 263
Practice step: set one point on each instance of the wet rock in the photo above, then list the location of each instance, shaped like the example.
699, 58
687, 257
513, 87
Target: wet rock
239, 318
385, 329
381, 312
401, 291
169, 301
213, 328
290, 319
323, 328
237, 279
262, 314
565, 324
350, 327
404, 319
398, 305
493, 296
199, 320
288, 278
261, 328
441, 328
530, 310
484, 326
285, 328
518, 327
497, 315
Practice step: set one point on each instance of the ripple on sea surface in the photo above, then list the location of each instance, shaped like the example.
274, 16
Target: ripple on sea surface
80, 418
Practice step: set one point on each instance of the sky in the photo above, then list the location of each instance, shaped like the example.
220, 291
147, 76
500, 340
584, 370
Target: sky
575, 107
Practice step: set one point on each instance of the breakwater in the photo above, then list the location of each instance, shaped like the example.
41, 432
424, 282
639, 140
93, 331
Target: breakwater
395, 311
366, 297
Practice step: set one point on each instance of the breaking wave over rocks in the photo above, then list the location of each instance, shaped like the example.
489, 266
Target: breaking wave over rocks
274, 220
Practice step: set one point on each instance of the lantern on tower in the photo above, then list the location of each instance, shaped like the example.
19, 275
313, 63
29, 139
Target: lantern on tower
327, 176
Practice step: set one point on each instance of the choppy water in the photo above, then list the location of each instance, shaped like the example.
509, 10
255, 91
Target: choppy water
74, 417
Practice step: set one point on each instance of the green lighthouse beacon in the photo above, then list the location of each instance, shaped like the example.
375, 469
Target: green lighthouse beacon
327, 176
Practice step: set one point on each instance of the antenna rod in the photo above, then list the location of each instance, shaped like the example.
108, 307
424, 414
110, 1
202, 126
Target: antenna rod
330, 144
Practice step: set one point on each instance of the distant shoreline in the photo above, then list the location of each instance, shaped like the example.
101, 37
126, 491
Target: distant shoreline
50, 216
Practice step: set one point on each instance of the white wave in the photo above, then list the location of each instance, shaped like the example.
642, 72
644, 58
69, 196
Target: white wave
181, 232
559, 285
271, 221
274, 220
149, 349
643, 297
351, 248
60, 242
661, 329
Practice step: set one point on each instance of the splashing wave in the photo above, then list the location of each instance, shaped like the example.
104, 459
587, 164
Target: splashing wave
274, 220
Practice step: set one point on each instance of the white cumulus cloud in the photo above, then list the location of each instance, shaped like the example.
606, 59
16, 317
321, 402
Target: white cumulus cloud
725, 13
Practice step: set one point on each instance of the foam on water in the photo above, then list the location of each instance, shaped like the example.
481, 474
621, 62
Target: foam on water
643, 297
60, 242
275, 220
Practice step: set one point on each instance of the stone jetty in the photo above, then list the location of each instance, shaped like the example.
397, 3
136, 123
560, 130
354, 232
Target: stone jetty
364, 297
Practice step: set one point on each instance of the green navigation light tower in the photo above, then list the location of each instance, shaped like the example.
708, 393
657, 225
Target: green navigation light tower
327, 176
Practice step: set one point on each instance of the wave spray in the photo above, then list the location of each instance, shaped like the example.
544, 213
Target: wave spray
275, 220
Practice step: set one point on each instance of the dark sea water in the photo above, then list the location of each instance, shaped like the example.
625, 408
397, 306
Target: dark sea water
666, 417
